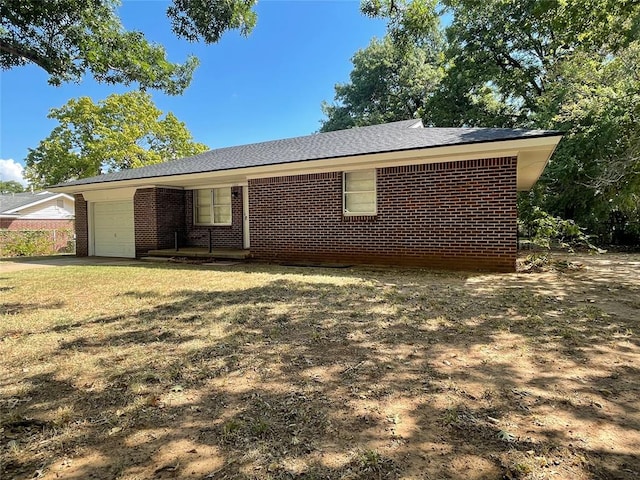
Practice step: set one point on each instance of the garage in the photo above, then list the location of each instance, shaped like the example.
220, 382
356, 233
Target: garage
113, 229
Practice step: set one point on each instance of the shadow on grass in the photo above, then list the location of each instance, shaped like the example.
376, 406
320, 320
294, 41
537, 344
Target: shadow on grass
16, 308
293, 379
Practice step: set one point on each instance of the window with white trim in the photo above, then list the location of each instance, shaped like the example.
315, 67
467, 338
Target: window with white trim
212, 206
359, 192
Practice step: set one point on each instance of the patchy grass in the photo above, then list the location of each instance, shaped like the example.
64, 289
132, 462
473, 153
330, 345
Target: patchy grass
252, 371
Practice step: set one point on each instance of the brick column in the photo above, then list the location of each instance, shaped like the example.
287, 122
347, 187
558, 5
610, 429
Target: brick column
82, 226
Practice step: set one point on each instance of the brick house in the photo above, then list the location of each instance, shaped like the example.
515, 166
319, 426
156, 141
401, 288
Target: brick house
396, 193
38, 211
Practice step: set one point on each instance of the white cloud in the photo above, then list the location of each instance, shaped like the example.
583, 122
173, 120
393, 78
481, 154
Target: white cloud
11, 170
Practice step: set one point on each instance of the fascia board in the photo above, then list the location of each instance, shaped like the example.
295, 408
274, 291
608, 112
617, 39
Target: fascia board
38, 202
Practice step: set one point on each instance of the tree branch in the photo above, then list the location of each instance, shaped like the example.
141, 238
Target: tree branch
26, 54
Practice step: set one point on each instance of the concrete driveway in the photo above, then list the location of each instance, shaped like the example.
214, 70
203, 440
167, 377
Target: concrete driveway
26, 263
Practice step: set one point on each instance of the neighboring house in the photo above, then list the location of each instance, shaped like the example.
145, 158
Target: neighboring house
36, 211
39, 211
396, 193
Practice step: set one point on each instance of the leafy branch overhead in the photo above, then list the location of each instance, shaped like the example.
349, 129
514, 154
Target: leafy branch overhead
122, 131
70, 38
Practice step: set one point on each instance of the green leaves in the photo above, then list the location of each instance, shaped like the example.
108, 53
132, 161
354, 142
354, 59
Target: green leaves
547, 231
69, 38
11, 186
414, 22
122, 131
388, 83
595, 175
209, 19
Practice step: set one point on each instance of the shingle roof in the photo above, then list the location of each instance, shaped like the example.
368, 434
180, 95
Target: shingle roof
389, 137
12, 201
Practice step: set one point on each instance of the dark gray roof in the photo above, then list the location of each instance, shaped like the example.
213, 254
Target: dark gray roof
11, 201
389, 137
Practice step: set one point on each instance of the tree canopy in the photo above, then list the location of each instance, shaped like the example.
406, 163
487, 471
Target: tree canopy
11, 186
69, 38
570, 65
388, 83
122, 131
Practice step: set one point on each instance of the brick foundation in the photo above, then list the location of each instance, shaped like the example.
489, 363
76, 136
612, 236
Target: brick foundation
454, 215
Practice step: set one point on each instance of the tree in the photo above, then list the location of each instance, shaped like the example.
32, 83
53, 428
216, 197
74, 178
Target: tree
512, 45
595, 174
122, 131
69, 38
388, 83
499, 53
415, 22
11, 186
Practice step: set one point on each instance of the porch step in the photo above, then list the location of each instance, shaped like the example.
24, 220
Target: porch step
213, 263
195, 252
155, 259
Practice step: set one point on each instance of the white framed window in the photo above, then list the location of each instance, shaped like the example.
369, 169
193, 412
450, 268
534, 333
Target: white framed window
212, 206
359, 193
202, 200
221, 206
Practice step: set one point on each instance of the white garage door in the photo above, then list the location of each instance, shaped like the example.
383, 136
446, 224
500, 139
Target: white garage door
113, 230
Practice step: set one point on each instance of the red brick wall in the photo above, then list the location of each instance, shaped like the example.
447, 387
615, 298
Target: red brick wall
158, 213
171, 216
448, 215
25, 224
221, 236
145, 221
82, 226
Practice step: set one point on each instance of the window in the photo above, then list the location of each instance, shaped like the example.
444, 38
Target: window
60, 203
212, 207
222, 206
359, 193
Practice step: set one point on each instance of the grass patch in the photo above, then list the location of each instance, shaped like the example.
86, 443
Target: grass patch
255, 371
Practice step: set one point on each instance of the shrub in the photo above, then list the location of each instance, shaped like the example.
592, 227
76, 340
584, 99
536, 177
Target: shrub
547, 231
25, 243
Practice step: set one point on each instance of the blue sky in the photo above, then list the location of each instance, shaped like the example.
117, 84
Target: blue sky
266, 86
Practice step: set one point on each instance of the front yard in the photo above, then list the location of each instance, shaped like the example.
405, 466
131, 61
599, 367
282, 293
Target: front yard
256, 371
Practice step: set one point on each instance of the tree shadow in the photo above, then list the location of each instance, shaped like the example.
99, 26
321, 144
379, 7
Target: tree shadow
383, 375
16, 308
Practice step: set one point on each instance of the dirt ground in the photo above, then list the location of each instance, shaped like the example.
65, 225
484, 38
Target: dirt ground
265, 372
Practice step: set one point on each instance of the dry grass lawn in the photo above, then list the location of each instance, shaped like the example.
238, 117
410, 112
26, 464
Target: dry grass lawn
256, 371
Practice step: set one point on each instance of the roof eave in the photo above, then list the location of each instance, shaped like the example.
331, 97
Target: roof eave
38, 202
537, 149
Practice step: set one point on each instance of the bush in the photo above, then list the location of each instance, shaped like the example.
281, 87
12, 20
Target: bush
26, 243
547, 231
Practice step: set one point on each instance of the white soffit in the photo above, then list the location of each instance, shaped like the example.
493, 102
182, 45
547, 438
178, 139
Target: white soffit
108, 194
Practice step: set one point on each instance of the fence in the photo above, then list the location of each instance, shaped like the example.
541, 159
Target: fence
33, 243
